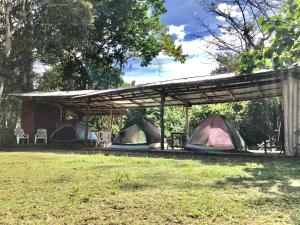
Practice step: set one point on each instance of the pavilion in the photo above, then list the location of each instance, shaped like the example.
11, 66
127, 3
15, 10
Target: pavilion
44, 109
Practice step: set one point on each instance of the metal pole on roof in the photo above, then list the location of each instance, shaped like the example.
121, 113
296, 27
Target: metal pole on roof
162, 122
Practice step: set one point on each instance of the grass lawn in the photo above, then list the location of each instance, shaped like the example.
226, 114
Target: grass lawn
48, 188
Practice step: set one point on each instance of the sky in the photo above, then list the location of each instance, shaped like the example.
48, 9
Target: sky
182, 20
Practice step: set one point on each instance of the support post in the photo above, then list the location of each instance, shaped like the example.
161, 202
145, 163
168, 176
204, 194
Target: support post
62, 114
87, 119
110, 119
186, 127
162, 122
291, 106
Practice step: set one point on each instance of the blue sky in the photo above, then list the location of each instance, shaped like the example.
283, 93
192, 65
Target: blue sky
182, 19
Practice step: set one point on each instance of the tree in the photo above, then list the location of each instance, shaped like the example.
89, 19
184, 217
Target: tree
284, 33
62, 32
238, 24
10, 24
228, 63
118, 31
16, 55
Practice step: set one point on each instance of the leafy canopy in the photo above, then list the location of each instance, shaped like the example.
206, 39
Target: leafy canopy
96, 39
284, 50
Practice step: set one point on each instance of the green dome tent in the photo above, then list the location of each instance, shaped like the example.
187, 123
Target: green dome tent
216, 134
138, 133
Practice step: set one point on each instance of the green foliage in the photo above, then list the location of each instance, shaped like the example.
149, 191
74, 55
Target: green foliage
93, 40
137, 113
285, 46
259, 121
10, 113
250, 61
228, 62
232, 111
174, 118
284, 50
52, 80
61, 29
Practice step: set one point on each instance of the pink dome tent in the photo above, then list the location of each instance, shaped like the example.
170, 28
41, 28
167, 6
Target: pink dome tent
215, 133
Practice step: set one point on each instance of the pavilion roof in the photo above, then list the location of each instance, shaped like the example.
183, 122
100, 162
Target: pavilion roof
186, 91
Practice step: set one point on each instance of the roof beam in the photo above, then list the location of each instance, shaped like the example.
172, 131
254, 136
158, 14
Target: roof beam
232, 96
205, 96
261, 94
176, 97
133, 101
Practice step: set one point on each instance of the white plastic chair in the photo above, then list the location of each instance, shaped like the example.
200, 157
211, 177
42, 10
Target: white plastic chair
103, 137
41, 134
19, 133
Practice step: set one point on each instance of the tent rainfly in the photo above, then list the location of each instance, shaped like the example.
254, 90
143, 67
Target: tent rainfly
72, 131
215, 134
139, 133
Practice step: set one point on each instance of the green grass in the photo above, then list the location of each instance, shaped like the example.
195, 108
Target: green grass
48, 188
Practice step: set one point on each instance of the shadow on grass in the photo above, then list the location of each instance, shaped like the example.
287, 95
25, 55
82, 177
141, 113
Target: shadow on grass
284, 173
278, 179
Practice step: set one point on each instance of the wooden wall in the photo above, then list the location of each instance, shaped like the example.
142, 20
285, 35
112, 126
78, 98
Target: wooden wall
28, 117
47, 117
35, 116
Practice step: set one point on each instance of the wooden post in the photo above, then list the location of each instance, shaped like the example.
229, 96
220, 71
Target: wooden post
186, 127
162, 122
121, 122
62, 114
110, 119
87, 119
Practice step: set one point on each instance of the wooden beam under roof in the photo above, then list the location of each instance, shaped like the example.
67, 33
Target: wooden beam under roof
231, 94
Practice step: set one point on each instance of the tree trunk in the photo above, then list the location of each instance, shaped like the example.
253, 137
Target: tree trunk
28, 50
8, 46
7, 49
1, 92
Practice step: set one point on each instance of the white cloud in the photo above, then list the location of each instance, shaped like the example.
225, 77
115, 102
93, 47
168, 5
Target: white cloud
178, 31
198, 63
221, 18
229, 9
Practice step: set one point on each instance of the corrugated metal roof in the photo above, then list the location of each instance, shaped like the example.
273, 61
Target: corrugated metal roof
186, 91
56, 93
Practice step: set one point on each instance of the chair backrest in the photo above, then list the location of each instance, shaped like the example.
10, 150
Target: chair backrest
19, 132
41, 132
